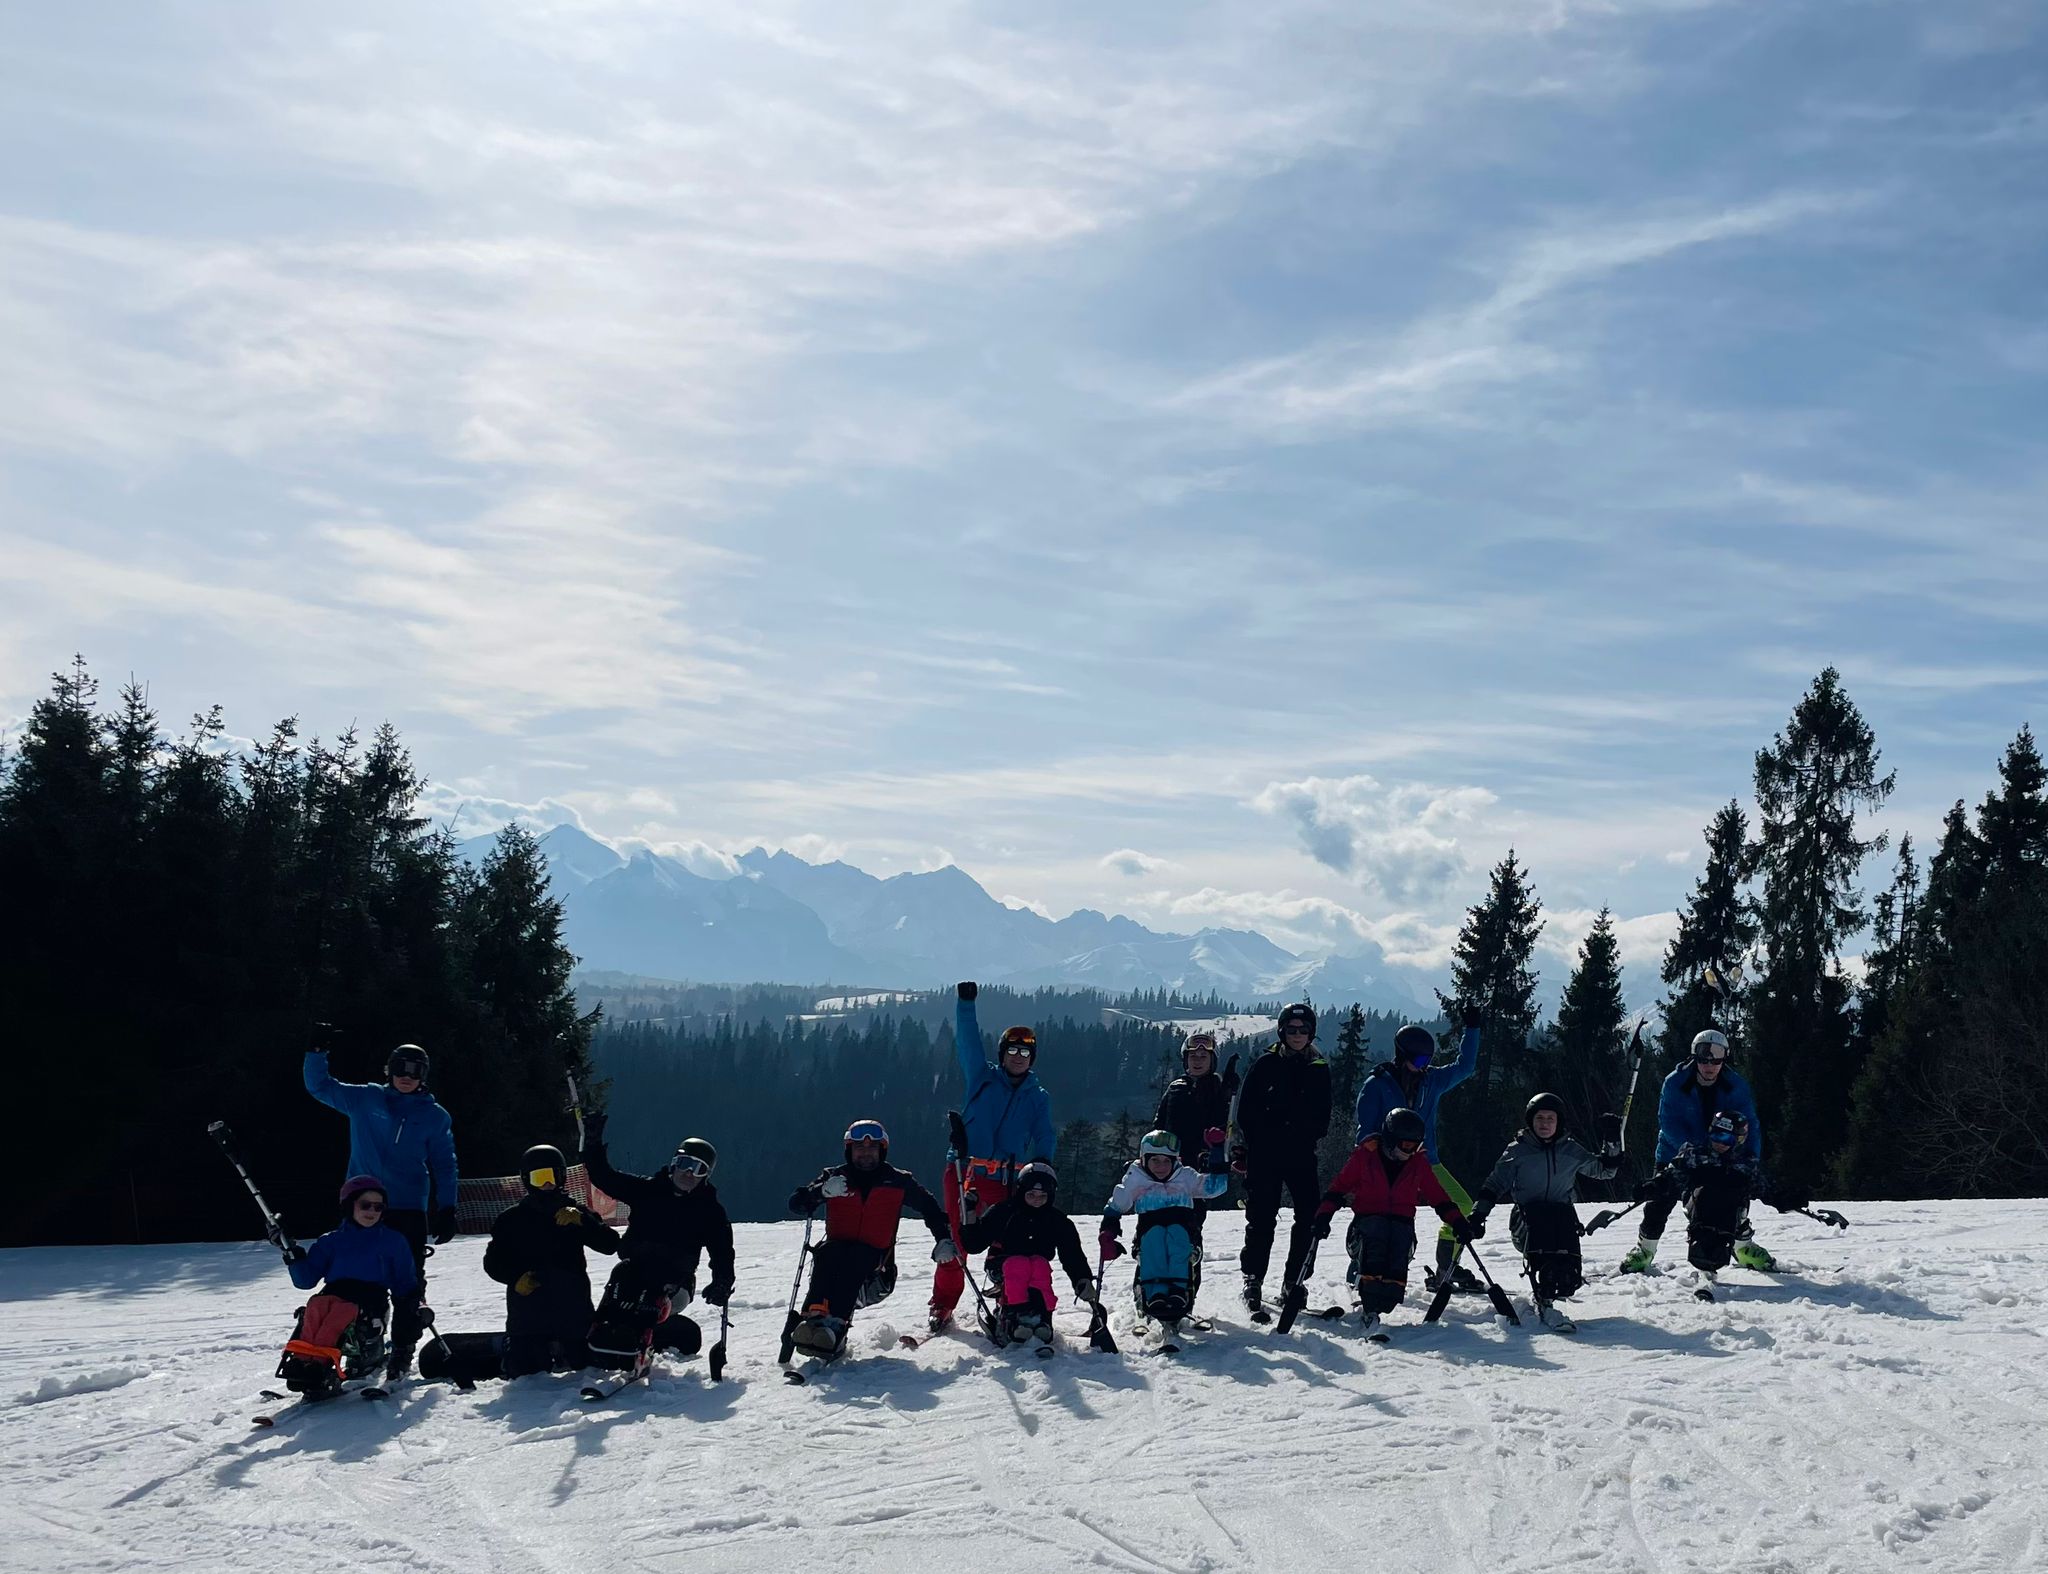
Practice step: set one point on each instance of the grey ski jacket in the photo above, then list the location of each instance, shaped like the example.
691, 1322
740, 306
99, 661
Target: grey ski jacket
1532, 1170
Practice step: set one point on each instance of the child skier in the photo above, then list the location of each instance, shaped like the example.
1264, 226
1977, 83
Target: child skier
1162, 1192
855, 1266
1386, 1176
536, 1252
1717, 1179
1538, 1173
676, 1218
340, 1333
1028, 1230
1193, 1102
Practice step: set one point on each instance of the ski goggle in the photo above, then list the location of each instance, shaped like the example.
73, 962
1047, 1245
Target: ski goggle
690, 1164
1710, 1057
1035, 1183
416, 1069
867, 1131
1294, 1029
1407, 1149
543, 1177
1020, 1041
1199, 1041
369, 1204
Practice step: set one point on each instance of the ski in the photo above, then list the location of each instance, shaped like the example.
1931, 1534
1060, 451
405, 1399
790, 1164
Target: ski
1263, 1316
308, 1401
613, 1386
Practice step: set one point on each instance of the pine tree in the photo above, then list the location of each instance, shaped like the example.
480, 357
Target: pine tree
1716, 928
2012, 825
1817, 776
1585, 1059
1347, 1073
1491, 971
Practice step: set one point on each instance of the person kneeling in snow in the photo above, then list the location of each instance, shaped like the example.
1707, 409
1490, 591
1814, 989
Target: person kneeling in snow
676, 1217
1386, 1176
1538, 1173
1716, 1179
864, 1200
536, 1252
1025, 1231
1162, 1192
365, 1263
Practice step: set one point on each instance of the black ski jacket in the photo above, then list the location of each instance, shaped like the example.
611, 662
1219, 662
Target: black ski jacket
669, 1228
1188, 1108
544, 1235
1024, 1231
1285, 1105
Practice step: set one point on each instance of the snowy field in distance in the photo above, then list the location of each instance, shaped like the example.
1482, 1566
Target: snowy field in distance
1879, 1406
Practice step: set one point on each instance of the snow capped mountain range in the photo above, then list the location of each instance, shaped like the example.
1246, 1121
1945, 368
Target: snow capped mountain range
783, 920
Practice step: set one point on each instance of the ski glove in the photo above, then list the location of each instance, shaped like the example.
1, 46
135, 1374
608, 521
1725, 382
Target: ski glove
1830, 1217
966, 989
526, 1283
1321, 1228
1610, 1131
834, 1186
322, 1037
593, 1130
944, 1251
1112, 1247
1478, 1218
1471, 1227
570, 1217
295, 1253
718, 1292
444, 1226
1084, 1289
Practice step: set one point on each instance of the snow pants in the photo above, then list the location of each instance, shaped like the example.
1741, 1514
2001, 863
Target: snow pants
950, 1278
405, 1313
1024, 1277
1266, 1175
548, 1330
846, 1275
1716, 1217
1547, 1236
1457, 1194
1382, 1245
1165, 1281
636, 1313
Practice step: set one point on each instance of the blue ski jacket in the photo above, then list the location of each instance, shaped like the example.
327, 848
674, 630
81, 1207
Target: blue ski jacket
375, 1254
1685, 1108
1383, 1091
1005, 1120
406, 1140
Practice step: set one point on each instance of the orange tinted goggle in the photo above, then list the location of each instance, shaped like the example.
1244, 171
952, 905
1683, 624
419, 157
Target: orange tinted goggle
1020, 1038
543, 1177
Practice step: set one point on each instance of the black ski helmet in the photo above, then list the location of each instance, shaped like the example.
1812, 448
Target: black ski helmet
1401, 1125
1040, 1174
543, 1167
1300, 1012
1727, 1130
1414, 1043
1549, 1101
867, 1131
697, 1149
1019, 1037
407, 1060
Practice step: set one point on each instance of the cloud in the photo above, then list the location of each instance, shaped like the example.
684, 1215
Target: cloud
1027, 904
699, 857
468, 814
1129, 861
1641, 940
1392, 838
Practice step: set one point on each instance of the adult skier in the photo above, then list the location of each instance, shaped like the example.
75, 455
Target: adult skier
1008, 1118
1409, 1081
1387, 1175
1282, 1112
1030, 1230
1162, 1192
1538, 1174
1717, 1180
864, 1199
536, 1252
400, 1133
1697, 1090
366, 1265
676, 1217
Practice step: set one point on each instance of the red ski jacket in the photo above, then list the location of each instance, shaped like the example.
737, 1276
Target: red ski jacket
1365, 1184
870, 1210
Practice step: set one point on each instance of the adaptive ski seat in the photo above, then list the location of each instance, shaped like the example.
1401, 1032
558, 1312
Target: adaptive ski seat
1167, 1268
1717, 1215
880, 1285
1381, 1246
336, 1337
1547, 1236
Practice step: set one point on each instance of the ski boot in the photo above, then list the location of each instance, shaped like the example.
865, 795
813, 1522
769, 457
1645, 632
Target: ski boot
1641, 1255
1553, 1317
1254, 1295
1750, 1255
938, 1321
822, 1336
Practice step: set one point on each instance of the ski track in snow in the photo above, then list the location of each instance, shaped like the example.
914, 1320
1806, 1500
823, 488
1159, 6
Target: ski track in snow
1877, 1406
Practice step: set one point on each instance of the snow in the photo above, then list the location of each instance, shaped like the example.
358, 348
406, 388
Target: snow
1877, 1406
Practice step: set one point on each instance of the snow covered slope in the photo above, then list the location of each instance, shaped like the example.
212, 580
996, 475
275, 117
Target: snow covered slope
1877, 1407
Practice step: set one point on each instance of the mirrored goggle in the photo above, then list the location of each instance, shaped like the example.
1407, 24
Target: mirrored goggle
1019, 1038
1721, 1137
690, 1164
408, 1068
1037, 1183
1406, 1149
866, 1131
546, 1175
1710, 1057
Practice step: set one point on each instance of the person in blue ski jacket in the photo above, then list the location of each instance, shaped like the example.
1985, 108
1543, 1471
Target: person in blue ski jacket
1410, 1081
367, 1269
1702, 1086
399, 1132
1008, 1116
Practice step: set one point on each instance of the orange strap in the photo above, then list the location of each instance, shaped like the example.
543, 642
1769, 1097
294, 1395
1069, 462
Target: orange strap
316, 1352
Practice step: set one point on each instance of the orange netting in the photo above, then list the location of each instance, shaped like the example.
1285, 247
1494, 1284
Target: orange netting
483, 1198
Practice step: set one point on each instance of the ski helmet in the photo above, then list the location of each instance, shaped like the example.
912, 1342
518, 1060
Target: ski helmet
867, 1131
408, 1060
1300, 1014
1038, 1176
1401, 1126
543, 1168
696, 1156
356, 1185
1159, 1142
1711, 1038
1019, 1037
1414, 1043
1727, 1129
1195, 1041
1542, 1101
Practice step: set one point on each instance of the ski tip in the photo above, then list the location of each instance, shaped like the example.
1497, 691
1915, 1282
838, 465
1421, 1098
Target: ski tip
795, 1379
263, 1420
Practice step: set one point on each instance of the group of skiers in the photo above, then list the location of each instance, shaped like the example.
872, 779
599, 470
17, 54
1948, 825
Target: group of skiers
1000, 1197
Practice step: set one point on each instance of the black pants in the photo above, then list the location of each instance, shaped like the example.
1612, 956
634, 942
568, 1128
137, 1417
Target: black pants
1656, 1214
848, 1274
1381, 1245
1547, 1236
405, 1313
1266, 1176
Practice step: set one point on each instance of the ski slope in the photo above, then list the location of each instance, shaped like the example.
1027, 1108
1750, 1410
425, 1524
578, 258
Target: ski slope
1879, 1406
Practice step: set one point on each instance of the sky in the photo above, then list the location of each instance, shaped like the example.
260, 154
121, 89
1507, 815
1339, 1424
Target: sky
1242, 464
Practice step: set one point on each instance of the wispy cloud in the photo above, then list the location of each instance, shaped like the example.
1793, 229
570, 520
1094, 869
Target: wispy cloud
1396, 839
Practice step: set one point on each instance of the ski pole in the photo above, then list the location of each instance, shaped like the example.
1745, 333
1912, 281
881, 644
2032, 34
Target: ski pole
716, 1359
1826, 1216
273, 1228
1607, 1216
1099, 1336
956, 1132
795, 1287
1494, 1292
576, 1107
1295, 1296
1635, 1071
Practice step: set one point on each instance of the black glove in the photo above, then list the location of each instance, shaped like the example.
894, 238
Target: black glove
1465, 1229
1230, 1076
1653, 1188
593, 1130
423, 1314
1789, 1200
1321, 1228
1829, 1216
444, 1226
718, 1291
966, 989
1477, 1219
295, 1253
1470, 1016
1610, 1131
322, 1037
